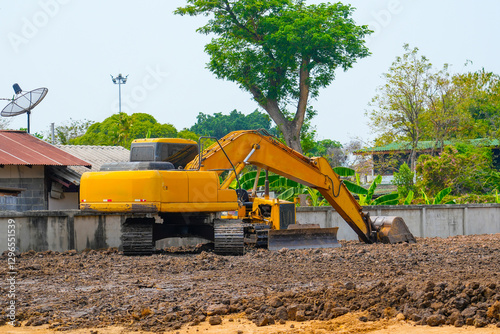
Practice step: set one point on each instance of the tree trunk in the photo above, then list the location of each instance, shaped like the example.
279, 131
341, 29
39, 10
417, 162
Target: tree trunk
289, 129
291, 134
413, 159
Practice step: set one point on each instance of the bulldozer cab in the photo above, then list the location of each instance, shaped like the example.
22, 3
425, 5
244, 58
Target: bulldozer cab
277, 213
177, 151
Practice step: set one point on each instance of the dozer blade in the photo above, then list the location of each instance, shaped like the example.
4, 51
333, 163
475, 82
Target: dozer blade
392, 230
302, 238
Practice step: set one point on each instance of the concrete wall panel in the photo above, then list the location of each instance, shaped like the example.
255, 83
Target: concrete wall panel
72, 229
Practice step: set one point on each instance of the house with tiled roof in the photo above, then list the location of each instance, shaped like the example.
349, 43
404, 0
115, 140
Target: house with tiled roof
96, 155
388, 158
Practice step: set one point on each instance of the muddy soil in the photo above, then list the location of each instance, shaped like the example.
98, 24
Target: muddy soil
435, 282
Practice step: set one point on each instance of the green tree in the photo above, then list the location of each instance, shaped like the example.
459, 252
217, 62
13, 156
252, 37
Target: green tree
120, 129
399, 106
329, 149
463, 168
281, 51
219, 125
462, 106
186, 134
478, 94
404, 180
67, 131
442, 120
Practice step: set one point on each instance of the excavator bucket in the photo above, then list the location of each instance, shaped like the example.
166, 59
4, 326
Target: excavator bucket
300, 237
392, 230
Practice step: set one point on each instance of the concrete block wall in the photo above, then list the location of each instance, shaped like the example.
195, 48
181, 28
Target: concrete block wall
30, 178
33, 198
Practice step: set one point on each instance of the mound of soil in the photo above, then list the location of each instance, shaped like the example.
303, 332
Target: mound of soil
453, 281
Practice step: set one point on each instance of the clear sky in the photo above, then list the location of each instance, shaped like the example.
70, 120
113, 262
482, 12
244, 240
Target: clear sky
72, 47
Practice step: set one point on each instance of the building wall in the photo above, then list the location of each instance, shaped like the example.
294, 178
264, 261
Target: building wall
30, 178
68, 202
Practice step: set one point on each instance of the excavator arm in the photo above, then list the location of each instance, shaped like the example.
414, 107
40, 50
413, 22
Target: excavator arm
252, 147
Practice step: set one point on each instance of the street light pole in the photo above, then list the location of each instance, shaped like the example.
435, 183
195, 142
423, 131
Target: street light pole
120, 80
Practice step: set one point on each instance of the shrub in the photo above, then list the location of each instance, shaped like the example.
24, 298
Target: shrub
465, 169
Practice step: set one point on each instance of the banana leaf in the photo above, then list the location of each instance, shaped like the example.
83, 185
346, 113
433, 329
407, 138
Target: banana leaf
372, 188
441, 195
389, 199
344, 171
409, 198
424, 196
354, 188
289, 194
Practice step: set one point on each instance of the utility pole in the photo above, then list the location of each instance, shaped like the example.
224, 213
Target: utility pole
120, 80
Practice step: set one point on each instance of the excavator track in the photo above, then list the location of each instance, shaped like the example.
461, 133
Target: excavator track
262, 234
229, 237
137, 237
256, 235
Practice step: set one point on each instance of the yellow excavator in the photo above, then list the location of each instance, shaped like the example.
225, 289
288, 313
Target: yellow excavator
171, 188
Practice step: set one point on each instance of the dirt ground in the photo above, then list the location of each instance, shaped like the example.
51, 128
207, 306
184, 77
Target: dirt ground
434, 286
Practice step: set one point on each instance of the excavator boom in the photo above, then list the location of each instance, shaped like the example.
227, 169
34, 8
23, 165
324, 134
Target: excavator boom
252, 147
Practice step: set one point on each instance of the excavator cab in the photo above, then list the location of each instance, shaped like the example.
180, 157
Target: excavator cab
177, 151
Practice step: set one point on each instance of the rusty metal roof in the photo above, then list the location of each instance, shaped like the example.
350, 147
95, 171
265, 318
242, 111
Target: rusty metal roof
21, 148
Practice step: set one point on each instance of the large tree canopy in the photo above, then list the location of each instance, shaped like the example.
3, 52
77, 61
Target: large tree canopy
478, 96
219, 125
281, 51
120, 129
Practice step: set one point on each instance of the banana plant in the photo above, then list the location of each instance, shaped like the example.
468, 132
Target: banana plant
247, 180
344, 171
288, 190
315, 197
291, 193
367, 199
439, 197
409, 197
366, 195
388, 199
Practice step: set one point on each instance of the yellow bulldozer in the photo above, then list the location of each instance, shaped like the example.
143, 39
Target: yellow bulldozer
171, 188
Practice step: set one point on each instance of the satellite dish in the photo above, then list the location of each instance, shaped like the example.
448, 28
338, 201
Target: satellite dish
23, 102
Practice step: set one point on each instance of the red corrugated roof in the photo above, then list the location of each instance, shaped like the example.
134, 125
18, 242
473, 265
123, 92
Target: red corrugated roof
21, 148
